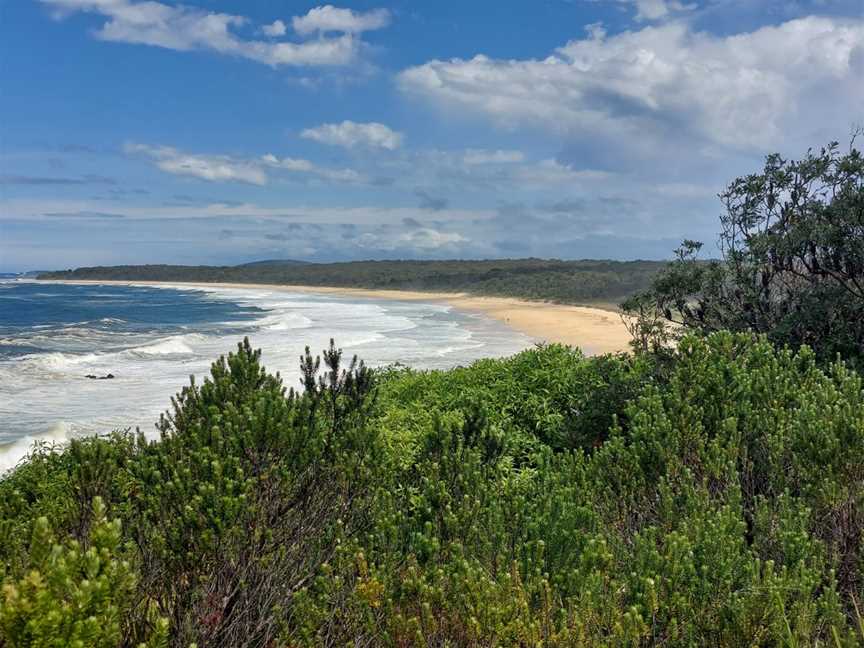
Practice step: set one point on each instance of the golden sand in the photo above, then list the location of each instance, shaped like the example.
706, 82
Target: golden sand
594, 330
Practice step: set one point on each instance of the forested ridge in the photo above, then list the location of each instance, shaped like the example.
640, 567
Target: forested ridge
538, 279
706, 489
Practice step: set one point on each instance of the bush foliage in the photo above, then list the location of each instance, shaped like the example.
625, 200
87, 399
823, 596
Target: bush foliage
792, 245
714, 498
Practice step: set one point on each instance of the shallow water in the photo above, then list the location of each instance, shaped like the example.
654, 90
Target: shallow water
153, 338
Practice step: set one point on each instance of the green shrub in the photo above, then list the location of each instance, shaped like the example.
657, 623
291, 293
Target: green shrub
711, 496
792, 264
73, 594
60, 484
248, 491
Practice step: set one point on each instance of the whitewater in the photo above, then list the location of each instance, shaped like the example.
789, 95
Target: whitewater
152, 339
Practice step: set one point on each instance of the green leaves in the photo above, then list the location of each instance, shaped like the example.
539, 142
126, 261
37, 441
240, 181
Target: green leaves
701, 519
711, 497
72, 594
792, 242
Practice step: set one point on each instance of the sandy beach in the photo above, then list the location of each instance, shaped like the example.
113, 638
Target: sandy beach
594, 330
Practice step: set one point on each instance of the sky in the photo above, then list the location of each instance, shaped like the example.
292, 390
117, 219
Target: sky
217, 132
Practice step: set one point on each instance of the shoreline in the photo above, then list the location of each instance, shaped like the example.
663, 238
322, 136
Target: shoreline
595, 330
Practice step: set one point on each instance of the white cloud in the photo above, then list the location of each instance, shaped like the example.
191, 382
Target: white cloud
484, 156
213, 168
330, 51
424, 239
350, 134
745, 91
184, 28
346, 176
292, 164
472, 170
487, 170
656, 9
331, 19
226, 168
551, 172
275, 29
651, 9
371, 215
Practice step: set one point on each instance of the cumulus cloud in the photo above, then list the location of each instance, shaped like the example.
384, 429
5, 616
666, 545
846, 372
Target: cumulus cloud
291, 164
656, 9
424, 239
227, 168
213, 168
331, 19
350, 134
185, 28
275, 29
346, 176
743, 91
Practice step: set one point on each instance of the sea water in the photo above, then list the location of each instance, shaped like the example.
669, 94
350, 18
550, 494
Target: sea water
152, 339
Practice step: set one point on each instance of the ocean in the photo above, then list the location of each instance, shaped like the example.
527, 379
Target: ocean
151, 339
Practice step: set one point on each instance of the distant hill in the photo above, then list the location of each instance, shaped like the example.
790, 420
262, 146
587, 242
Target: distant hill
274, 262
571, 282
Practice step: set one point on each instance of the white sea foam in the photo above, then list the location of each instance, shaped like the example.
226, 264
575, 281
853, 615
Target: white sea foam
46, 396
13, 452
176, 345
54, 363
283, 321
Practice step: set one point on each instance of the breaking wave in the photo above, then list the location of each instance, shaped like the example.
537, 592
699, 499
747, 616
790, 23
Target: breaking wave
47, 397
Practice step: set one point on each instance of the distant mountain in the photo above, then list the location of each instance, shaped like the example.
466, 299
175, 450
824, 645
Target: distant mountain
274, 262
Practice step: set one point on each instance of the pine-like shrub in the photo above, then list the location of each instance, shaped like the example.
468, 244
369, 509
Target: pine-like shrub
712, 497
73, 594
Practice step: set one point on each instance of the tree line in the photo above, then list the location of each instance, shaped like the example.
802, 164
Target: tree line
536, 279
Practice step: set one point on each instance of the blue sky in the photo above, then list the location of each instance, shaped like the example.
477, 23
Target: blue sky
221, 132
